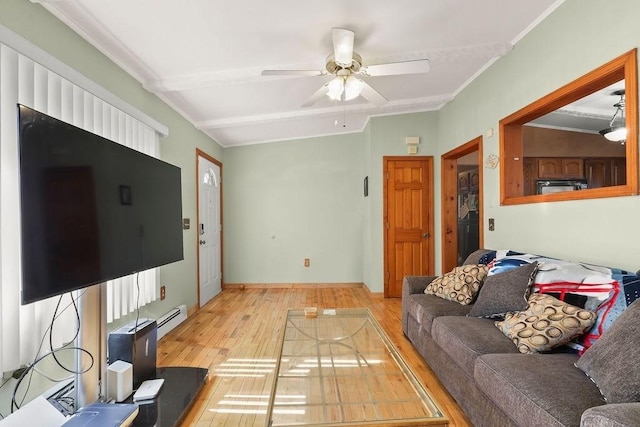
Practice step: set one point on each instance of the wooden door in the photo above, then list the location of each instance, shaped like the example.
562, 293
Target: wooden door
408, 220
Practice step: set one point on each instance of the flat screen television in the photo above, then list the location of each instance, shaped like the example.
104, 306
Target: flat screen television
91, 209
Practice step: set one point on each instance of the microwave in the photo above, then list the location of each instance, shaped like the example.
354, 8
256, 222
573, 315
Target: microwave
544, 186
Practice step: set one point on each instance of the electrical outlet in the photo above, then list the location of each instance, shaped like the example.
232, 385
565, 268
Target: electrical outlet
163, 292
307, 262
492, 224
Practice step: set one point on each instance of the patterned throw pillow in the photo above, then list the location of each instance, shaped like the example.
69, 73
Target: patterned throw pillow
546, 323
460, 285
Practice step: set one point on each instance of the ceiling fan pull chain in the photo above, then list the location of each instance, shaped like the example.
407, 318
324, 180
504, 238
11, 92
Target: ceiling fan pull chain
344, 116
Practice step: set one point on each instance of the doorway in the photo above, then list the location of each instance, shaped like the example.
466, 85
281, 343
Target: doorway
462, 203
209, 223
408, 220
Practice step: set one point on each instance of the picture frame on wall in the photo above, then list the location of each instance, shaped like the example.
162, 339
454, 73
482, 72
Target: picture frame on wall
463, 181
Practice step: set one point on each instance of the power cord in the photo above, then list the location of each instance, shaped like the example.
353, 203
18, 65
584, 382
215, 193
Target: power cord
135, 326
14, 403
32, 368
75, 306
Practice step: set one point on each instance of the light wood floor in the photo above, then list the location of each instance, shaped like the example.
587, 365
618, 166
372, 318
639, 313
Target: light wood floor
236, 335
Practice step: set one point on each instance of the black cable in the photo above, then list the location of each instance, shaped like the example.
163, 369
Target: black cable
137, 300
2, 385
29, 369
135, 329
48, 330
51, 330
4, 382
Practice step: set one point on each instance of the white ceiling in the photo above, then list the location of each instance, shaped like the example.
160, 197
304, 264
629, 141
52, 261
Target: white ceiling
589, 114
204, 57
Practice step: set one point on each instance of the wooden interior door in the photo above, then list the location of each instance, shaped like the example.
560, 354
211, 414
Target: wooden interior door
408, 220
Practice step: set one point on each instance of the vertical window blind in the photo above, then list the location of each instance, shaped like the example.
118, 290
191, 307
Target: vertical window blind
26, 82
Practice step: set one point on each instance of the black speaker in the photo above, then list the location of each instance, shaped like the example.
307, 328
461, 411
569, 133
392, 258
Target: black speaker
136, 344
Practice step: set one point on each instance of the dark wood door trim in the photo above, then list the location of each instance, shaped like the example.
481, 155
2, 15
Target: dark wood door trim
449, 198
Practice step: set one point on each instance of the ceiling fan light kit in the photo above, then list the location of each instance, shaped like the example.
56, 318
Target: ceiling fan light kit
345, 64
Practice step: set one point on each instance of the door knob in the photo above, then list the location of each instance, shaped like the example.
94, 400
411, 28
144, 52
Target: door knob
425, 235
202, 242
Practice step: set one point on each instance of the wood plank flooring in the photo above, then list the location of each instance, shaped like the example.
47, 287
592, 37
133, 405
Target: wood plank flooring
236, 336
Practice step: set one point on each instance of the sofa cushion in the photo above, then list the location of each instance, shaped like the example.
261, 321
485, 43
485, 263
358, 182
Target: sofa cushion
465, 338
546, 323
425, 308
612, 415
504, 292
537, 389
612, 361
460, 285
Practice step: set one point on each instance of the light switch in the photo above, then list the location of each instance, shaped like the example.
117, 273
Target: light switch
492, 224
186, 223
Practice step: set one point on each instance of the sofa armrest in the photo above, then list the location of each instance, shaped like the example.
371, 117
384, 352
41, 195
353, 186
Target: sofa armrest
415, 284
612, 414
412, 285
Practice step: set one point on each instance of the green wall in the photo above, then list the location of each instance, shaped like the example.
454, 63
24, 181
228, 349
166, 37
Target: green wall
577, 38
37, 25
287, 201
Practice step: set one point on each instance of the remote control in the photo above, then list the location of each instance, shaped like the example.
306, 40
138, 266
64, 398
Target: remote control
149, 389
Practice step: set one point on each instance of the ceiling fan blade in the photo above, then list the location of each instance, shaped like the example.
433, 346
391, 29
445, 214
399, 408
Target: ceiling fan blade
292, 73
317, 96
343, 46
372, 95
395, 68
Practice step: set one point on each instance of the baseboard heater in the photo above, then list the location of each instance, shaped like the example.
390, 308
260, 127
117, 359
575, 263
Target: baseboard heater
172, 319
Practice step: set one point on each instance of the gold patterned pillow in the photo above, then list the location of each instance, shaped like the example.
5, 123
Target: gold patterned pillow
546, 323
460, 285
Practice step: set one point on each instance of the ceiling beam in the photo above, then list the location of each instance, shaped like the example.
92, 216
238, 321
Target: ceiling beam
406, 106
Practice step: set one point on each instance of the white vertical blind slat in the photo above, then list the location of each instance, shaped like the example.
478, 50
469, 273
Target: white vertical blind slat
54, 96
66, 101
9, 258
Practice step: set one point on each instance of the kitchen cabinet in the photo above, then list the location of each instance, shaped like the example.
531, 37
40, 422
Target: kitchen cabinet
530, 175
560, 168
606, 171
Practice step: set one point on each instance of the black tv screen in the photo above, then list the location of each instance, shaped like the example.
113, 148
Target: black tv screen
91, 209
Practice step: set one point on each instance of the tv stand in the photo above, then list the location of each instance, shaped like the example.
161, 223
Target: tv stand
178, 394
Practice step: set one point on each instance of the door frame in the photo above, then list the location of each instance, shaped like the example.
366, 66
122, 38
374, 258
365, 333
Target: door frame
385, 215
200, 153
449, 196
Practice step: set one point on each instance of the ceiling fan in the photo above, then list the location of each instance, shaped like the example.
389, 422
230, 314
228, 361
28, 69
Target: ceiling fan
346, 65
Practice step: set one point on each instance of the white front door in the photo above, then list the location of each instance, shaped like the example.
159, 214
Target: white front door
209, 229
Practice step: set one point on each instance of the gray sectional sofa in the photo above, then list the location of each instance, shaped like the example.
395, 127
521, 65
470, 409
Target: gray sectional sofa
496, 385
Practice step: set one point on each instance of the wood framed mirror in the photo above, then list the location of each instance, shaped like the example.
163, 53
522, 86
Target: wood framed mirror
554, 146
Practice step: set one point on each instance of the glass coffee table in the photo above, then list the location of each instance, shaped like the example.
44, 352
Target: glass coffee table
338, 368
